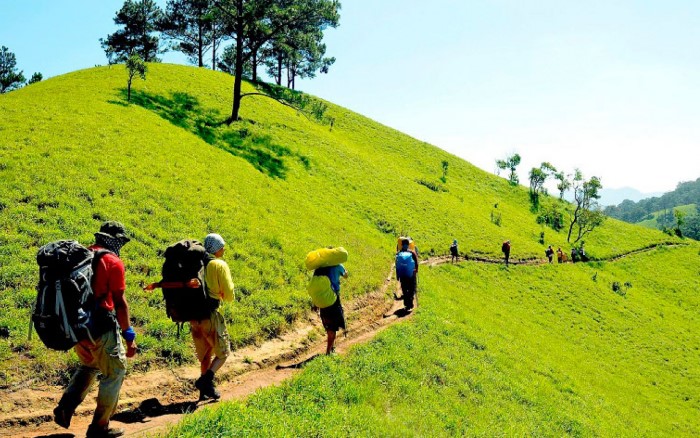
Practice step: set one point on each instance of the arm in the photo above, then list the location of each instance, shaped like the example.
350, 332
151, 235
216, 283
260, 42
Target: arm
193, 283
122, 309
219, 281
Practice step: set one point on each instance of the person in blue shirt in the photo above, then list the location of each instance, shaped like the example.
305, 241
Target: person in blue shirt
409, 279
332, 317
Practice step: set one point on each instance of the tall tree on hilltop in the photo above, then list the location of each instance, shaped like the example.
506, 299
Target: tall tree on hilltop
10, 78
510, 163
587, 214
538, 176
195, 27
252, 23
563, 183
301, 52
307, 56
140, 19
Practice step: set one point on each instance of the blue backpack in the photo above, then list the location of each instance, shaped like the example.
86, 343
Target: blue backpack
405, 265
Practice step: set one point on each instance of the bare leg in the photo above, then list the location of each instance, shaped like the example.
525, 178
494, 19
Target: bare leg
205, 364
330, 341
217, 363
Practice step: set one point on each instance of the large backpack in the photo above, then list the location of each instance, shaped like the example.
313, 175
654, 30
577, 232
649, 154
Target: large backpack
405, 265
185, 260
66, 311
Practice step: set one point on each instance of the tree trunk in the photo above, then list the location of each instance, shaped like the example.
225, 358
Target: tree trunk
213, 46
200, 43
278, 78
213, 53
254, 65
239, 65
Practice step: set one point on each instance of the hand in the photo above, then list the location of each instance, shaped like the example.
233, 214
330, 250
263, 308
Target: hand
194, 283
130, 348
150, 287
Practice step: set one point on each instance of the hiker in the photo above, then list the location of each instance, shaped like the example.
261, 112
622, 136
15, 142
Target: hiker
560, 255
407, 273
454, 251
210, 335
324, 289
332, 317
574, 255
505, 248
582, 253
106, 354
549, 252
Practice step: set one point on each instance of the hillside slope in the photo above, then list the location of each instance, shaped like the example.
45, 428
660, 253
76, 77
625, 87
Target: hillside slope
73, 153
550, 350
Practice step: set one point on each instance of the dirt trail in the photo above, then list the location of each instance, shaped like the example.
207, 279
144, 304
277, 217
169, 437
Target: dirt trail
152, 401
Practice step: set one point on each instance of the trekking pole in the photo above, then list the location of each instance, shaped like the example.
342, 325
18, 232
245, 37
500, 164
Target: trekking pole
31, 327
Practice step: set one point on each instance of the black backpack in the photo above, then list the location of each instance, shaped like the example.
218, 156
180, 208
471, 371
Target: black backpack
185, 260
65, 311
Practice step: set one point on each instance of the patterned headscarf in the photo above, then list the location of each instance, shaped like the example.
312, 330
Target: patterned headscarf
213, 242
112, 236
113, 244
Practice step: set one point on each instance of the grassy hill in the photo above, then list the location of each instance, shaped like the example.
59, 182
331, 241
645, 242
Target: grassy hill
73, 153
544, 351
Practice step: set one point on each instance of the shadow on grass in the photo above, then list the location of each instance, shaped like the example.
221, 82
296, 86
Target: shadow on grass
185, 111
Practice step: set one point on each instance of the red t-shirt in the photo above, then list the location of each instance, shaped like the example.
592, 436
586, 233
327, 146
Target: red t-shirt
108, 278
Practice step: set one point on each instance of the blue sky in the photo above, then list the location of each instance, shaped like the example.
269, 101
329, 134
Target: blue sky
611, 87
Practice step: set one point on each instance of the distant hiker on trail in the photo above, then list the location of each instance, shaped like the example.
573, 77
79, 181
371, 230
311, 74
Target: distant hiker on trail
505, 249
561, 257
210, 335
104, 353
324, 289
454, 251
574, 255
582, 253
407, 273
549, 252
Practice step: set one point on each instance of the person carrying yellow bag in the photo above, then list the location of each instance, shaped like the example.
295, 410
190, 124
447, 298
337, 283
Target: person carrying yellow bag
324, 289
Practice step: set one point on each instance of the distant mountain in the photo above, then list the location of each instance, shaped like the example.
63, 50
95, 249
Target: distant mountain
616, 196
660, 210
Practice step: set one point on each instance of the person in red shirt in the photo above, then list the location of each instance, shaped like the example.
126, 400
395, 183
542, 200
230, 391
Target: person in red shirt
105, 352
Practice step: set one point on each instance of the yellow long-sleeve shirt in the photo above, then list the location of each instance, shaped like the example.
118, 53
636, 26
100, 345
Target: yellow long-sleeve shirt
218, 280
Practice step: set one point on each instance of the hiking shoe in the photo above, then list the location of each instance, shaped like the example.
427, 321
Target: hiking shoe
207, 389
62, 416
210, 392
95, 431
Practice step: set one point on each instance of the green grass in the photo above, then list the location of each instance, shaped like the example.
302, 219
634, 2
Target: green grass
73, 153
544, 351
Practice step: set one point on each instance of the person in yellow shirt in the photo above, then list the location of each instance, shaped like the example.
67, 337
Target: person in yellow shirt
211, 338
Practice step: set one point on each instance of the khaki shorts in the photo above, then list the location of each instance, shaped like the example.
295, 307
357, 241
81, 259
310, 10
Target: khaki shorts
211, 337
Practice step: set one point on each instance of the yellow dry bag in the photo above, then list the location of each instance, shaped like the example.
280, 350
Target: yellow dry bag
324, 257
321, 293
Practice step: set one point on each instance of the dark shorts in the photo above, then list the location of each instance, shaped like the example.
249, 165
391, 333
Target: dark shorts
332, 317
408, 287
